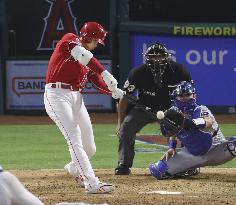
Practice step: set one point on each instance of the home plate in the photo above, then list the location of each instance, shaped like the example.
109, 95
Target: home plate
162, 192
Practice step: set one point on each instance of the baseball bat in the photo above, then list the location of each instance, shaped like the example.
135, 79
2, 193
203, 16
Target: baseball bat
160, 115
145, 108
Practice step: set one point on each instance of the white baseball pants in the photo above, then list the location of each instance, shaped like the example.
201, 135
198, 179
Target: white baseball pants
66, 108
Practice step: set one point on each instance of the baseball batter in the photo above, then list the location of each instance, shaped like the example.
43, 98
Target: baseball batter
12, 192
70, 66
203, 141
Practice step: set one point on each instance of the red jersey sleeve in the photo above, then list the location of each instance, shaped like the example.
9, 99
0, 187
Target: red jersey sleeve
95, 66
98, 82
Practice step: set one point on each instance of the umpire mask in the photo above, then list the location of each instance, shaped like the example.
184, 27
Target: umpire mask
156, 58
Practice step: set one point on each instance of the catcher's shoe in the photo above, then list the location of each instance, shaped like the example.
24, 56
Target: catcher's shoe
122, 170
101, 188
188, 173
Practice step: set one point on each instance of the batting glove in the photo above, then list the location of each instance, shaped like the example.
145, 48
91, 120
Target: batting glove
117, 93
110, 81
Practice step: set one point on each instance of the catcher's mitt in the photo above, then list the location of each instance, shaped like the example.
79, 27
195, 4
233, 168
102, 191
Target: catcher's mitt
172, 122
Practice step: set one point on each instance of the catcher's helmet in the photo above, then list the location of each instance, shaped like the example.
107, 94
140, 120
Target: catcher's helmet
92, 30
157, 54
184, 88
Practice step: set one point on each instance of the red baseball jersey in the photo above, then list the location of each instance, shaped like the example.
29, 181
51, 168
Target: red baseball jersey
64, 68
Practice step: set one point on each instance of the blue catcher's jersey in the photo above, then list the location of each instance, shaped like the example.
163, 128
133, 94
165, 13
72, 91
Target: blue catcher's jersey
196, 141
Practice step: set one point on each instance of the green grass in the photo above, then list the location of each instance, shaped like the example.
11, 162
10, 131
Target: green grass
43, 147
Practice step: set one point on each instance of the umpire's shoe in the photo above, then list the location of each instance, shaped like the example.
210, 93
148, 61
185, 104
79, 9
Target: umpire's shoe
122, 170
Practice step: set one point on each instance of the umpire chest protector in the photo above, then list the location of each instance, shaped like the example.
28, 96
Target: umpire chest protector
152, 92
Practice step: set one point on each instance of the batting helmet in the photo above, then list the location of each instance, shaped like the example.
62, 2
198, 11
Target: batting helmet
92, 30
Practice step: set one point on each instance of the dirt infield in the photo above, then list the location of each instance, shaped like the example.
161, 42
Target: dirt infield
211, 186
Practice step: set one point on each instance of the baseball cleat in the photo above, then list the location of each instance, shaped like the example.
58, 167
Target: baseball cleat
80, 180
71, 169
188, 173
101, 188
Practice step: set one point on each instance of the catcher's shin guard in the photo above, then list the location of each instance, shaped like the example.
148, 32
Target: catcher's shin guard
231, 146
158, 170
233, 139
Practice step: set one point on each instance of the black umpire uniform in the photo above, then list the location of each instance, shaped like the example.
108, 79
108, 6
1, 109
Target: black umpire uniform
153, 82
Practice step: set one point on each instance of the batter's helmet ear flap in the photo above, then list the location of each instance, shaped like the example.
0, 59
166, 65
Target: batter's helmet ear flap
92, 30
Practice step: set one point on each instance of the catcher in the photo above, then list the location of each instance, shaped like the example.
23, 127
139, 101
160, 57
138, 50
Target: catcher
197, 130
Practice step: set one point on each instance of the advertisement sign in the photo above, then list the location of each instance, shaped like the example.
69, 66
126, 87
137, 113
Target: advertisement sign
211, 62
26, 83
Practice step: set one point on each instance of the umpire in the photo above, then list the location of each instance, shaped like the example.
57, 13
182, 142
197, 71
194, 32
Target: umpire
152, 82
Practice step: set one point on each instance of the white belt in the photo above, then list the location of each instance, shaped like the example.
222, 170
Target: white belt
62, 86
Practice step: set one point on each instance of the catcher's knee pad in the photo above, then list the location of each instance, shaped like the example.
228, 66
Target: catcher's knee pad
158, 170
232, 145
232, 138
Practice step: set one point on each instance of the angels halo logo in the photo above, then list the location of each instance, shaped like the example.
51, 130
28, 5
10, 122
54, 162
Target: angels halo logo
57, 23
